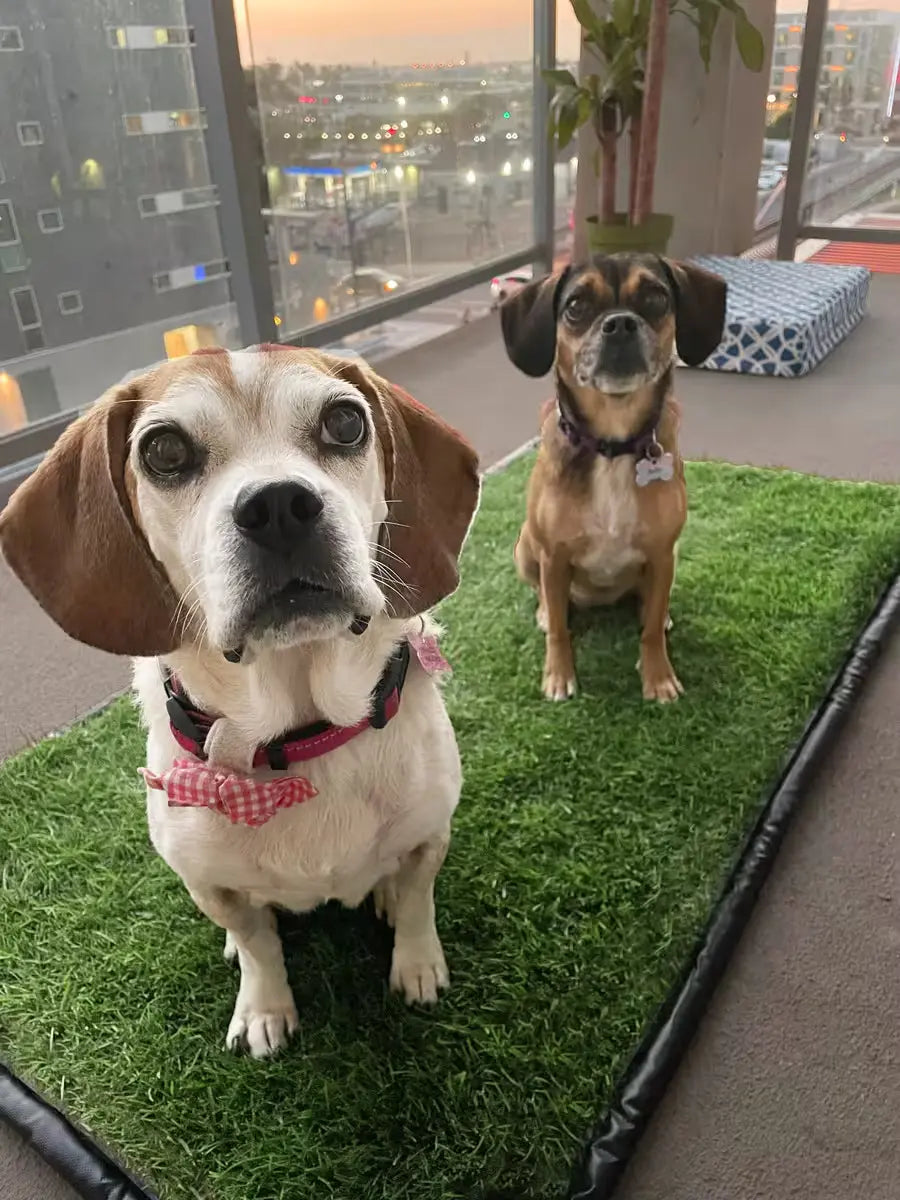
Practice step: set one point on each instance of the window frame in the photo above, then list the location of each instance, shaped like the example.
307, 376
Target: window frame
20, 125
17, 240
70, 312
38, 324
17, 29
44, 212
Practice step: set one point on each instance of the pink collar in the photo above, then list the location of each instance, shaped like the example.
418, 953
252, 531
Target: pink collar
190, 726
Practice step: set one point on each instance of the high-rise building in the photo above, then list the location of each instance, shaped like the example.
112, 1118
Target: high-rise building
108, 215
858, 72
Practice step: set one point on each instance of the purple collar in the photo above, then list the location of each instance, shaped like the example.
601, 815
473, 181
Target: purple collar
578, 437
574, 428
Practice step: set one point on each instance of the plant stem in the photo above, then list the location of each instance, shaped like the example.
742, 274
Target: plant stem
609, 151
634, 154
652, 106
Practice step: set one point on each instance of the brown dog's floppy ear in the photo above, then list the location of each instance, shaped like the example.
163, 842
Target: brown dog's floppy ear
528, 320
431, 486
69, 534
699, 310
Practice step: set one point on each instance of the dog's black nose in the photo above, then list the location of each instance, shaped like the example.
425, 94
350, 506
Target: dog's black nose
276, 515
618, 325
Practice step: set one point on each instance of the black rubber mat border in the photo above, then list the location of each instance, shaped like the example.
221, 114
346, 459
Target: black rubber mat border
95, 1174
654, 1063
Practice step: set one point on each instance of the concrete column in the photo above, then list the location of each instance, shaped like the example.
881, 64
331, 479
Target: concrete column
710, 142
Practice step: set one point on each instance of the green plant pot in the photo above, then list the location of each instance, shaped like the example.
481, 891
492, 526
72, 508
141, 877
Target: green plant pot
651, 236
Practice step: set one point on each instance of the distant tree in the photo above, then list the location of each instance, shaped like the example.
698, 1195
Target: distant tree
780, 128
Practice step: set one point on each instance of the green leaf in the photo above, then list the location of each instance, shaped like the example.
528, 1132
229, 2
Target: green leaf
566, 125
749, 42
623, 16
587, 18
560, 78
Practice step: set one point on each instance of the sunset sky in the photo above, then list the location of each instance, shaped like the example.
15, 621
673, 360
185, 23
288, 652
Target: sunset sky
405, 31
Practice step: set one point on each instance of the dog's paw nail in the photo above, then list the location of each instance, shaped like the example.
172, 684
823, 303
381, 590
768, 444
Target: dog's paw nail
559, 687
665, 690
262, 1033
419, 973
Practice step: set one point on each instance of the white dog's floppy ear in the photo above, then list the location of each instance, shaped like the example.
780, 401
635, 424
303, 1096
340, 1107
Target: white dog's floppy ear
431, 485
70, 535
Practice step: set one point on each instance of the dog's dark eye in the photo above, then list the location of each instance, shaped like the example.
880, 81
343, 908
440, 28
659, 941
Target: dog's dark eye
655, 302
167, 452
343, 425
577, 308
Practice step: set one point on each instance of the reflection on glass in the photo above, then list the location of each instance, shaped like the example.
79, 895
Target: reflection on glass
109, 233
408, 158
853, 170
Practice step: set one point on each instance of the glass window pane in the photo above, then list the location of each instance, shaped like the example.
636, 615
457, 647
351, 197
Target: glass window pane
50, 220
70, 303
10, 38
394, 154
13, 260
9, 233
30, 133
26, 308
853, 170
78, 179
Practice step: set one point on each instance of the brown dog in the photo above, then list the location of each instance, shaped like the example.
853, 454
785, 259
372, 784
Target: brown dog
606, 499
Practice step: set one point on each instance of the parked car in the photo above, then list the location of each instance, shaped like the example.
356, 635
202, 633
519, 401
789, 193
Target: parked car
769, 178
364, 286
504, 285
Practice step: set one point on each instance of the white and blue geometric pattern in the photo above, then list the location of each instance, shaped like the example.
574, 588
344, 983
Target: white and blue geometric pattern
783, 318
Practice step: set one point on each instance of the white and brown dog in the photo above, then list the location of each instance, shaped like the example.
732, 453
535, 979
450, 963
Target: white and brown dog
265, 531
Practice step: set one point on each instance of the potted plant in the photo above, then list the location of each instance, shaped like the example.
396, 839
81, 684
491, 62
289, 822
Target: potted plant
628, 37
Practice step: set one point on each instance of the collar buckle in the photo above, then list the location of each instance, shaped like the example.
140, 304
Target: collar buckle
391, 682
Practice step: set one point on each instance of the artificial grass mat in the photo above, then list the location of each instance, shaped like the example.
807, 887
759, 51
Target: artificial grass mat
588, 850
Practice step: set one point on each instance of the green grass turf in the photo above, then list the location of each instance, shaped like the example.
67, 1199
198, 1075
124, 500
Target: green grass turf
590, 844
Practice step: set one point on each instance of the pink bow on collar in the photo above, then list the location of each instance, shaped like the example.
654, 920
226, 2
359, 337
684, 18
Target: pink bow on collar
238, 797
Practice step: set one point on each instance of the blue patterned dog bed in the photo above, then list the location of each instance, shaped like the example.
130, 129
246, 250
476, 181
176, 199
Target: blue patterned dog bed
785, 317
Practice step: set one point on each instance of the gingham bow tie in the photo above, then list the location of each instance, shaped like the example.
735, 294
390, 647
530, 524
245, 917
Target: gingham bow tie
238, 797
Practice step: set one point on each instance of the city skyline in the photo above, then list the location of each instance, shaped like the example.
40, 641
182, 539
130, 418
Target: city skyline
358, 33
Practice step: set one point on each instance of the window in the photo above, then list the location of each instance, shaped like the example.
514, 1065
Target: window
9, 231
33, 338
2, 174
26, 308
170, 202
13, 259
30, 133
148, 37
50, 220
164, 122
182, 277
69, 303
10, 38
28, 316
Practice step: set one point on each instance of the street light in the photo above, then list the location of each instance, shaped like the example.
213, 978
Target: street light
470, 176
401, 101
771, 98
445, 101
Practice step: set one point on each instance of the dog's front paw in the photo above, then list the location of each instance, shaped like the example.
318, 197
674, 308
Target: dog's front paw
419, 970
263, 1027
559, 680
659, 680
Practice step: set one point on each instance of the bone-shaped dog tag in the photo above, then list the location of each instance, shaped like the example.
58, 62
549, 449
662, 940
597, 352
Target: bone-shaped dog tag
658, 469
